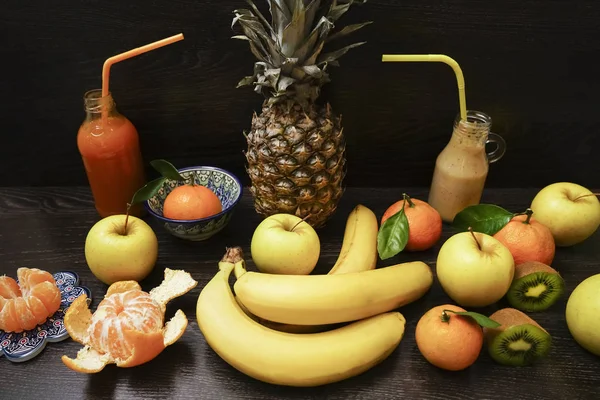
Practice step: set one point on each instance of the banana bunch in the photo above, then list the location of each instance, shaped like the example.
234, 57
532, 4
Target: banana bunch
279, 328
358, 253
286, 358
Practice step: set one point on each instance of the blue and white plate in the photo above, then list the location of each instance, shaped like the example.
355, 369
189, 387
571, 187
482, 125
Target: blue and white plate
23, 346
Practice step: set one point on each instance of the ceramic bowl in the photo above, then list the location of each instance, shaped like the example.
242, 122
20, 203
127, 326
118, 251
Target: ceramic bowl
223, 183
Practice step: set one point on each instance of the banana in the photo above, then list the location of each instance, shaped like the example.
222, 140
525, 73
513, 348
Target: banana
285, 358
290, 328
358, 253
330, 299
359, 247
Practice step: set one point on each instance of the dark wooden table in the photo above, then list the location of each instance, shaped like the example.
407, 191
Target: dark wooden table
46, 228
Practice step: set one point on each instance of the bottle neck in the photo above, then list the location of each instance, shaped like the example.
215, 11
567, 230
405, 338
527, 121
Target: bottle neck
472, 131
95, 105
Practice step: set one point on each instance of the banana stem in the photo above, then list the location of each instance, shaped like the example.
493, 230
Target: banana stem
233, 255
239, 269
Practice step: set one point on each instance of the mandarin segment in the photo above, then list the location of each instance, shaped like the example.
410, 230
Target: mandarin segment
9, 289
122, 286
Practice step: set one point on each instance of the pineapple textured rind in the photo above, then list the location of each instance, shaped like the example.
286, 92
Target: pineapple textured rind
296, 148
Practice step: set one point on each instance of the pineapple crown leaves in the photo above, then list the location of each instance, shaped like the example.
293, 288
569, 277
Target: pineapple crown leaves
291, 64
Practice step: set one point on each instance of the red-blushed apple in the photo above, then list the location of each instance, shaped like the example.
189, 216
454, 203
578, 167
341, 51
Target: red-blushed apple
475, 269
569, 210
285, 244
114, 254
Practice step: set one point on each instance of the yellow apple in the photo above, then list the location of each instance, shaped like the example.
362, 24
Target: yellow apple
583, 314
475, 269
284, 244
114, 255
570, 217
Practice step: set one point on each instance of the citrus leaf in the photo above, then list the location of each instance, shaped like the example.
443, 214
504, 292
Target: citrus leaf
167, 170
393, 235
148, 190
484, 218
481, 319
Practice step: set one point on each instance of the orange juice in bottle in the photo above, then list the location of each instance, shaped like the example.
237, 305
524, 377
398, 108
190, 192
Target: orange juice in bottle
109, 146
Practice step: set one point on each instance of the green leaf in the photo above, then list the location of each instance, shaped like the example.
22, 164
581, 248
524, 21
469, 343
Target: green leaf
167, 170
481, 319
148, 190
393, 235
484, 218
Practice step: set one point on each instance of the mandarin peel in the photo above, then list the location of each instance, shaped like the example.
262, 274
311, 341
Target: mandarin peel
127, 328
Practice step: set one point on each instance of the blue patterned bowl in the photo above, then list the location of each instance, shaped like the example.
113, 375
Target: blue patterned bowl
224, 184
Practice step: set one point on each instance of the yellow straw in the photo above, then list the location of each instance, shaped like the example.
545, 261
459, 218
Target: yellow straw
436, 58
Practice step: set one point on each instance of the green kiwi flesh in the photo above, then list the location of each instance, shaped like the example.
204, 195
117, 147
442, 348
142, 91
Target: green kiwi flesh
520, 345
536, 291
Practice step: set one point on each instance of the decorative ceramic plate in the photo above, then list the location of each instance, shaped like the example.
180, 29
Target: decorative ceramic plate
23, 346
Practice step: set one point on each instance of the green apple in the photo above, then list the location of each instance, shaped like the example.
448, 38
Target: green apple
583, 314
475, 269
285, 244
113, 254
570, 217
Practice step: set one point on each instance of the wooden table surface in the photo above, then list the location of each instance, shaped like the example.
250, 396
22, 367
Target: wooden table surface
46, 228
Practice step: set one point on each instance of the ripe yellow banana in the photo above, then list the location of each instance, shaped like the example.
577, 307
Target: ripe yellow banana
289, 328
358, 253
359, 248
330, 299
286, 358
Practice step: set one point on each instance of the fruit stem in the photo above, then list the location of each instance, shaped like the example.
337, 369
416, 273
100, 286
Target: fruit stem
126, 220
233, 255
529, 213
299, 222
407, 198
474, 237
445, 317
586, 195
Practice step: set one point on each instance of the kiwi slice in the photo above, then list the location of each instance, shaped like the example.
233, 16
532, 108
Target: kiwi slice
535, 287
519, 341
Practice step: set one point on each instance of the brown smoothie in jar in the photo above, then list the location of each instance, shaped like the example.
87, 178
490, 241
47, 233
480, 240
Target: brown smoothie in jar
462, 167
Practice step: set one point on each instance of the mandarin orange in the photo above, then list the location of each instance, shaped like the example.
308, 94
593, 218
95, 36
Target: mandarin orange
127, 328
29, 303
527, 239
191, 202
449, 341
424, 222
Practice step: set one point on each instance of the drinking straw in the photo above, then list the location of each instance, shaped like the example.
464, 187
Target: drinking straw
436, 58
132, 53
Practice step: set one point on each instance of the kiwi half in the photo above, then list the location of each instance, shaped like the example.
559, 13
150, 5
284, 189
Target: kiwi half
535, 287
519, 341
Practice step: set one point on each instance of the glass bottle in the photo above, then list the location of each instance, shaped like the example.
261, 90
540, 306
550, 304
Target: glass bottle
462, 167
109, 147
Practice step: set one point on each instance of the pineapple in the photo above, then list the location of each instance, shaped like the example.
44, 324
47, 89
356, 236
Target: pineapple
296, 149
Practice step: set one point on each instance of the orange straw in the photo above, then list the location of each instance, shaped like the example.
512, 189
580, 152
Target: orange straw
132, 53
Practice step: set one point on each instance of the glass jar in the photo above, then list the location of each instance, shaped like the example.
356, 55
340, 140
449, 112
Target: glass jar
462, 167
109, 147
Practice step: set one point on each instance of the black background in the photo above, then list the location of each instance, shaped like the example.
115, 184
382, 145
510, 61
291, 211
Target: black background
528, 64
